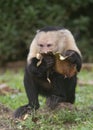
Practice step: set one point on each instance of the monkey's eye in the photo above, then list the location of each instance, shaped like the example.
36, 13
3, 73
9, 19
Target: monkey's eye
49, 45
40, 45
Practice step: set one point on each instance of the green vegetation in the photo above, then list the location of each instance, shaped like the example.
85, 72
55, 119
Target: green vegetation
19, 20
79, 117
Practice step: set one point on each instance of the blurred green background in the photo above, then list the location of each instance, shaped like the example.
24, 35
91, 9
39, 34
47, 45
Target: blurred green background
19, 20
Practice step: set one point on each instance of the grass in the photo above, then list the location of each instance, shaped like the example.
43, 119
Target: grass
78, 118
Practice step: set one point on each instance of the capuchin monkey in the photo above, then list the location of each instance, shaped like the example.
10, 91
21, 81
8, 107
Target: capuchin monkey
60, 89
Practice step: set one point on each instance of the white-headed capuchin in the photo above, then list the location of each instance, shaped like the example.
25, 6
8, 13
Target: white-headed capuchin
40, 75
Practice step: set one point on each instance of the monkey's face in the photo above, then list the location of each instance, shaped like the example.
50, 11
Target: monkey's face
47, 42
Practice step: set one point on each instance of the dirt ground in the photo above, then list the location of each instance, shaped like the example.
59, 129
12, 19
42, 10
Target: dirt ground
5, 118
7, 122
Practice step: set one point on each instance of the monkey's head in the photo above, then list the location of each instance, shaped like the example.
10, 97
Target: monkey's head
52, 40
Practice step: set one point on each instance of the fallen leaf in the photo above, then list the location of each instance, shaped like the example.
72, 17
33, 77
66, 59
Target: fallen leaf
25, 117
5, 89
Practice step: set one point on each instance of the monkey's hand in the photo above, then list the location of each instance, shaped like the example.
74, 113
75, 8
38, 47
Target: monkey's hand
74, 58
49, 60
37, 67
40, 65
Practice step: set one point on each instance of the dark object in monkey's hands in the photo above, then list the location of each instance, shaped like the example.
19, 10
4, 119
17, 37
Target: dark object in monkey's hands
62, 63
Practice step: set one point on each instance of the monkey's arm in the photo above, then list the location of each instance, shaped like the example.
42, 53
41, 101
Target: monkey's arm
74, 58
31, 82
